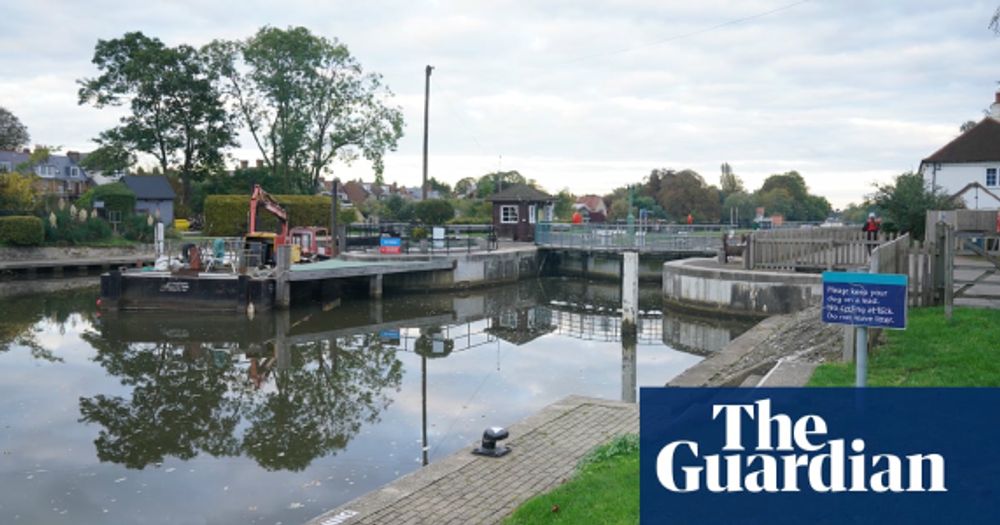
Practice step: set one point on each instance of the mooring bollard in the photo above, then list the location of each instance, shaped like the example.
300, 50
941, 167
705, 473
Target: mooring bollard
282, 291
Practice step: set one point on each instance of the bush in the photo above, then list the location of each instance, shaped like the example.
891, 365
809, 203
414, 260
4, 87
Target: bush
418, 233
471, 220
434, 211
21, 230
68, 229
115, 196
137, 228
227, 215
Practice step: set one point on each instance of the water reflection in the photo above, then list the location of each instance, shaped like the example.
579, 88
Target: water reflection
303, 409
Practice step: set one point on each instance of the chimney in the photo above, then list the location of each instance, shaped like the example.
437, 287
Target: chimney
74, 156
995, 106
260, 163
244, 164
26, 151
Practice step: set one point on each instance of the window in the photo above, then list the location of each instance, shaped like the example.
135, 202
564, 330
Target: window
4, 167
508, 214
74, 172
991, 176
532, 213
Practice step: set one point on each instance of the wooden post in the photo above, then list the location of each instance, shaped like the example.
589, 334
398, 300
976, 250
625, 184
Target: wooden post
630, 289
949, 270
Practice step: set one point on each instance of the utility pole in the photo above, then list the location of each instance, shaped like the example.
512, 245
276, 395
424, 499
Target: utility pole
427, 103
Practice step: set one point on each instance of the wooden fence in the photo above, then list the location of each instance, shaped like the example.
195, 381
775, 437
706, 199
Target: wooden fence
811, 249
900, 255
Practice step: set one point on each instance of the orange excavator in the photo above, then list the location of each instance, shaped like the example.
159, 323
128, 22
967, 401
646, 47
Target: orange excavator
265, 241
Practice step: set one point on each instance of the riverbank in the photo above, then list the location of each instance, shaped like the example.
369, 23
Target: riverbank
464, 488
931, 352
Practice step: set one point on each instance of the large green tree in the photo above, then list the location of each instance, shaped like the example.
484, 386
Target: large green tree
176, 114
904, 203
13, 134
788, 195
685, 192
306, 102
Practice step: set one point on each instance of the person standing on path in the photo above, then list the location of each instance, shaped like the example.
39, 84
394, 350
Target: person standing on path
871, 228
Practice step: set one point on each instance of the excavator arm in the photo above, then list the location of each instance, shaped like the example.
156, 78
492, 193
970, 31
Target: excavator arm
262, 198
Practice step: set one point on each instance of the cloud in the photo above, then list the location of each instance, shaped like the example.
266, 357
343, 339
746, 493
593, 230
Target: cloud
587, 95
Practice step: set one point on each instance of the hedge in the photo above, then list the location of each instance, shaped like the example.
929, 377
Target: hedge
22, 230
227, 215
116, 197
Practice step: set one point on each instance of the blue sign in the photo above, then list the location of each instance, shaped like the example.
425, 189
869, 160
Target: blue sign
389, 335
776, 456
390, 241
865, 299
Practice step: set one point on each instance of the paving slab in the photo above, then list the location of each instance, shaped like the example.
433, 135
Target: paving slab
465, 489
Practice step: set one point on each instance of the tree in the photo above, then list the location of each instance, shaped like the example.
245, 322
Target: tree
465, 187
904, 203
109, 158
498, 181
793, 201
176, 114
441, 187
17, 192
740, 207
967, 125
397, 208
434, 211
563, 208
685, 192
13, 134
729, 182
306, 102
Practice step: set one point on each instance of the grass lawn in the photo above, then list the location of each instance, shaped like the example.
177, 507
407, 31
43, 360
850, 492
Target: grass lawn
930, 352
605, 489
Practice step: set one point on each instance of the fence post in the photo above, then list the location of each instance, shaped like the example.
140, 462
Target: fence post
949, 271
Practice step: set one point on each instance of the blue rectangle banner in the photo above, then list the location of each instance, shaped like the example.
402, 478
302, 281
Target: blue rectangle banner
725, 456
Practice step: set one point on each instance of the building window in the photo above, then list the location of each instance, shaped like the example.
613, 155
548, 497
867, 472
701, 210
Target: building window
74, 172
532, 213
508, 214
4, 167
991, 177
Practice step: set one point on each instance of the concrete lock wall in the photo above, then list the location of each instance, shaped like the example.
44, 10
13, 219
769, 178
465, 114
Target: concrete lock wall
700, 284
471, 270
599, 265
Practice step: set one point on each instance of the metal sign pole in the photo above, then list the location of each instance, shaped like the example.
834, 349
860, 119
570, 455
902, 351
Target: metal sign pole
861, 360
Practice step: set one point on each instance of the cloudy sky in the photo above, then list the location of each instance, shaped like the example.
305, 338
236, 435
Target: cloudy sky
582, 94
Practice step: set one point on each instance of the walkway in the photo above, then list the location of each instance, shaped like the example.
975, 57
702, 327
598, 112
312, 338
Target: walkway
463, 488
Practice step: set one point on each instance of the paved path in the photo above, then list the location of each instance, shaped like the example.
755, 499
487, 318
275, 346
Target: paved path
466, 489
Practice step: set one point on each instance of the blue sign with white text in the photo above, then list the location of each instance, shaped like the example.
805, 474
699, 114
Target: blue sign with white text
865, 299
729, 456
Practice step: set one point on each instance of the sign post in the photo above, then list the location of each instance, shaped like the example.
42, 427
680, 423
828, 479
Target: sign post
864, 300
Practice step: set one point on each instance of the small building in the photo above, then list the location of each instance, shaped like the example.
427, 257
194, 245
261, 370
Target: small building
968, 167
592, 208
517, 209
153, 195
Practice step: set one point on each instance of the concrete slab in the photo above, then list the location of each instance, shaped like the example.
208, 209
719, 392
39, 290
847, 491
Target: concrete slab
463, 488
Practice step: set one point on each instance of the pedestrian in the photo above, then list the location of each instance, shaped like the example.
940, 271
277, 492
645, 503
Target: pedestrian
871, 228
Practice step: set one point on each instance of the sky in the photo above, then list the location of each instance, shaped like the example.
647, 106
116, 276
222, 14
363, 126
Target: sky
581, 94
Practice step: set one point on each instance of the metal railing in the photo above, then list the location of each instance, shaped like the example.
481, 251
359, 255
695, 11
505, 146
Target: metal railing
458, 238
693, 238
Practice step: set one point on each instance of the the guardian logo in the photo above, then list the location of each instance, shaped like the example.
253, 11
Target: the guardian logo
789, 456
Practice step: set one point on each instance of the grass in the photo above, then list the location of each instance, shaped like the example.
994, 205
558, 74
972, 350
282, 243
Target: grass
605, 489
931, 352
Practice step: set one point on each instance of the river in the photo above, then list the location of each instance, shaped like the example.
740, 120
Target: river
132, 417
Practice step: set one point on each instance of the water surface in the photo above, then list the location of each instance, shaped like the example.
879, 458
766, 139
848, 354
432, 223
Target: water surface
195, 418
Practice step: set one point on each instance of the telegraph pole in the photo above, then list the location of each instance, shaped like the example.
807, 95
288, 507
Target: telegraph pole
427, 102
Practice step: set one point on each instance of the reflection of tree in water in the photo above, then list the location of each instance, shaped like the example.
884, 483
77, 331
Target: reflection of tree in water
320, 401
187, 402
19, 324
180, 404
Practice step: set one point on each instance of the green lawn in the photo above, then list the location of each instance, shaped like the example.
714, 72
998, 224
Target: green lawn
605, 489
930, 352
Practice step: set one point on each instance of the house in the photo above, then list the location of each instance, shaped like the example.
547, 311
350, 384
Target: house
592, 208
968, 167
153, 195
517, 209
58, 175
